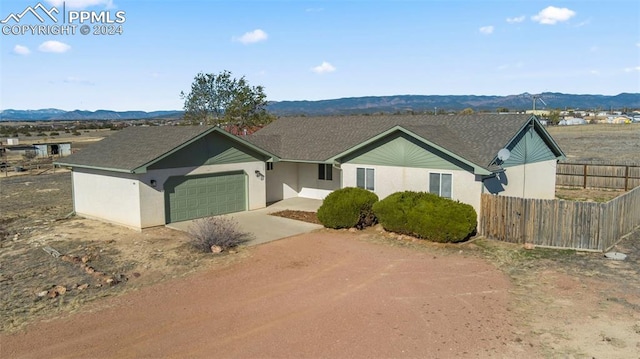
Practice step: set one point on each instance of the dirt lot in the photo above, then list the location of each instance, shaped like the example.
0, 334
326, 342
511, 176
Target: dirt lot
35, 214
318, 295
599, 142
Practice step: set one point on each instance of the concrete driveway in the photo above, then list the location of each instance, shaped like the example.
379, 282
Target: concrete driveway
265, 227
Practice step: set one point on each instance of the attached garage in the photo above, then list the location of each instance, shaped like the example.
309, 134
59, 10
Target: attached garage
189, 197
149, 176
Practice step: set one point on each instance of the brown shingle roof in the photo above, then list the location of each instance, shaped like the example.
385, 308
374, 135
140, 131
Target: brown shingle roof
476, 138
133, 147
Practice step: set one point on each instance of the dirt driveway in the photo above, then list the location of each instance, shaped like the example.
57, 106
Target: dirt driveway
324, 294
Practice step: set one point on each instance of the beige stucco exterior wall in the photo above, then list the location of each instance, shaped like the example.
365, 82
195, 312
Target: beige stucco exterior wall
108, 196
291, 179
312, 187
389, 179
130, 200
533, 180
282, 181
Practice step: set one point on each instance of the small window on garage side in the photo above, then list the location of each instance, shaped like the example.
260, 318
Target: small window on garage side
440, 184
325, 172
269, 166
365, 178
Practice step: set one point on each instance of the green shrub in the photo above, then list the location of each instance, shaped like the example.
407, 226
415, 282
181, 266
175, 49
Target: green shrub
348, 207
427, 216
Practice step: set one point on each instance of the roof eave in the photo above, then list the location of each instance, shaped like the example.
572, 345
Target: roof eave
73, 165
481, 171
329, 161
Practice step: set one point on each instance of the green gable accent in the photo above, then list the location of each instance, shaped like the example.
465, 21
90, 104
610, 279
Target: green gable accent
528, 147
401, 150
209, 150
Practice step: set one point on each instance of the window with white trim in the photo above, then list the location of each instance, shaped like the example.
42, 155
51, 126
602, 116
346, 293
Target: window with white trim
365, 178
325, 172
440, 184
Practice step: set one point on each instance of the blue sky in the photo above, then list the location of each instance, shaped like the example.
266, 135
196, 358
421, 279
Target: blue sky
316, 50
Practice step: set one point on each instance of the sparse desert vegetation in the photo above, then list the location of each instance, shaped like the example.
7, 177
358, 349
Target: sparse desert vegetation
599, 142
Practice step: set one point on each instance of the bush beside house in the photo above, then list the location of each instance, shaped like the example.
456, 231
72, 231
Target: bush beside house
427, 216
215, 234
347, 208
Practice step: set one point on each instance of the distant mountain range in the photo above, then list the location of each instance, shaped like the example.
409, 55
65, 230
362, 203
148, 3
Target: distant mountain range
362, 105
420, 103
78, 115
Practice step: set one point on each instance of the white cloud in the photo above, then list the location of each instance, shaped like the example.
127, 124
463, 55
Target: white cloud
638, 44
81, 4
323, 68
594, 72
251, 37
486, 30
21, 50
632, 69
54, 46
515, 20
552, 15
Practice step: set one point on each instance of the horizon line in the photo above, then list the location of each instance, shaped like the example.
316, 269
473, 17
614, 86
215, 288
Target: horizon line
329, 99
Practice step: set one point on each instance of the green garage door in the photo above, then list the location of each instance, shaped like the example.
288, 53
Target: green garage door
190, 197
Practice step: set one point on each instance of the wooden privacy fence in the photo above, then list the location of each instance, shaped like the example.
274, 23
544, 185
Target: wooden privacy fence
598, 175
560, 223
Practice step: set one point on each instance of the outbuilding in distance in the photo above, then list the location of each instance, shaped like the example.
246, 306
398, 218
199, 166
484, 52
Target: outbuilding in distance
53, 149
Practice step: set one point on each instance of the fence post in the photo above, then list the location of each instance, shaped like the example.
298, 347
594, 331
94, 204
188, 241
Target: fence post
626, 178
584, 177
